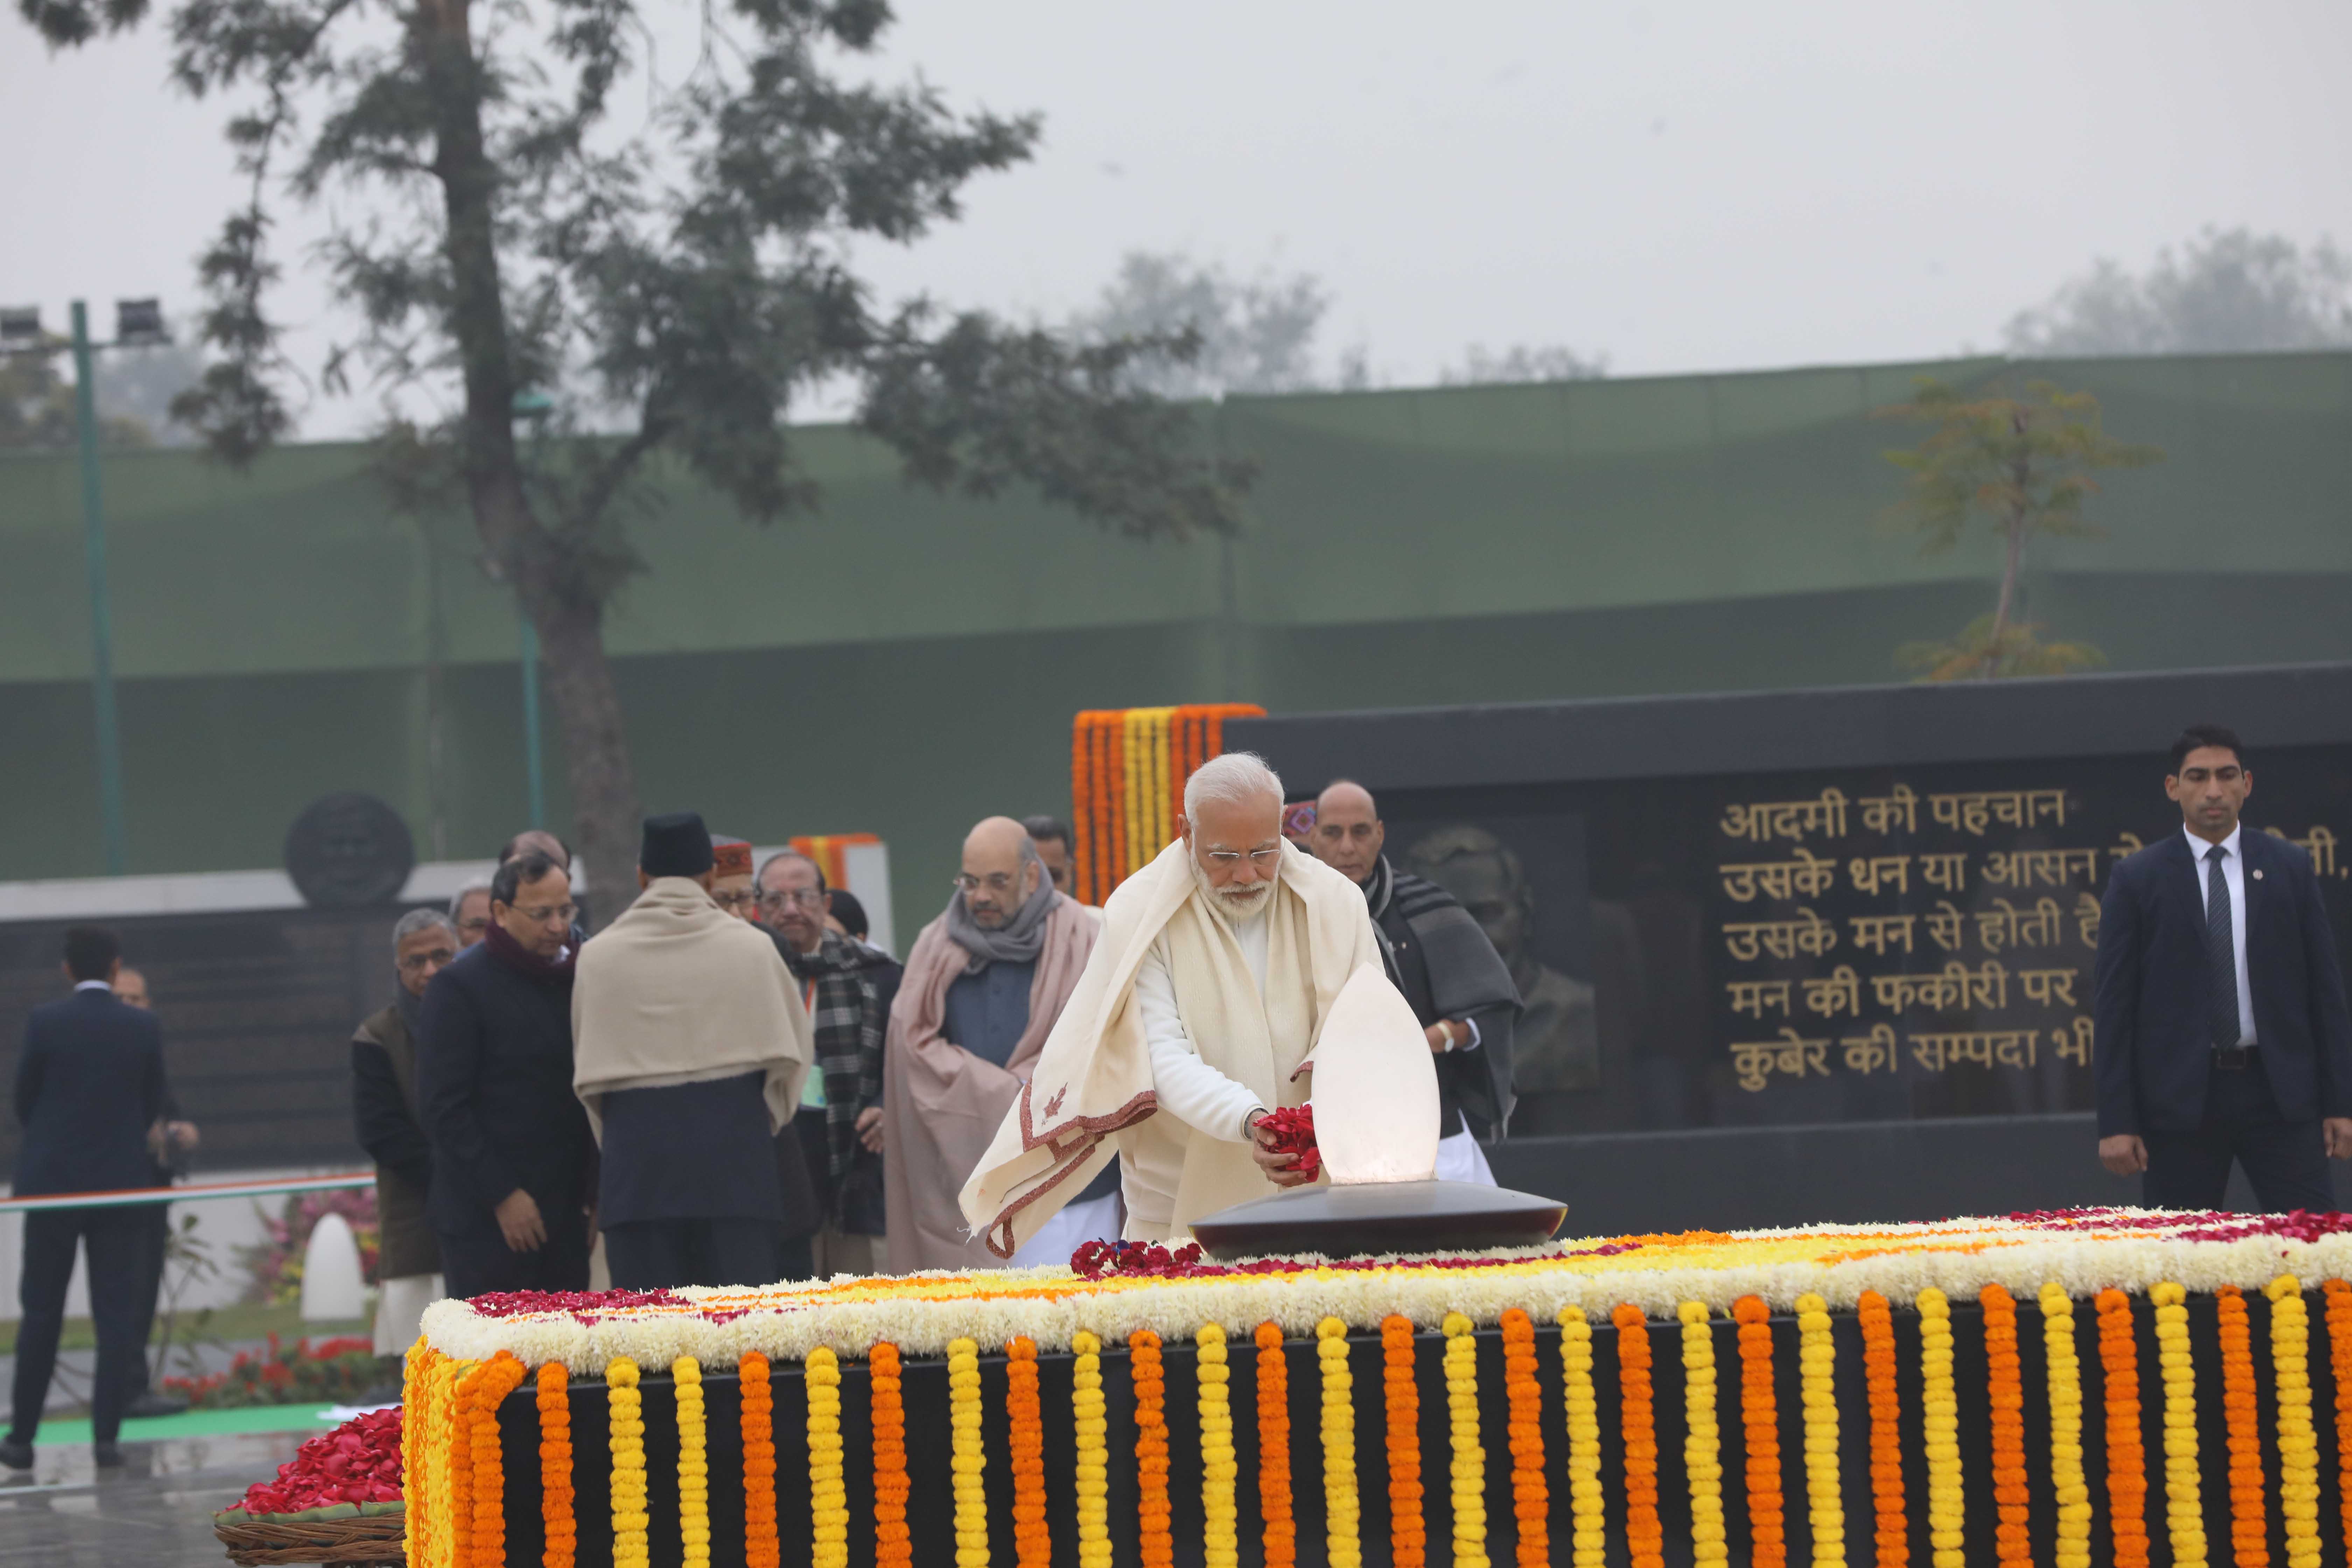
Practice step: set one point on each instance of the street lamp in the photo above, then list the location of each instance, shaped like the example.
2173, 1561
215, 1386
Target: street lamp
137, 323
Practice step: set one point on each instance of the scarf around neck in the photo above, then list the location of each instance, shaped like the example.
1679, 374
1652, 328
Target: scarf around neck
516, 956
1019, 940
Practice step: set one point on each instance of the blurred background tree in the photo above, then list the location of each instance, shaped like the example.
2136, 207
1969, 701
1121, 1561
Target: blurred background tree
2226, 291
2023, 466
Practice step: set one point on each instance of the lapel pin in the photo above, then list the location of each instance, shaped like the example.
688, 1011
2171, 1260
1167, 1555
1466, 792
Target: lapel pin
2258, 873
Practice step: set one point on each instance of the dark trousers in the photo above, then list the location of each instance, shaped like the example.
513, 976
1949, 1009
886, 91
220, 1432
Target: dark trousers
2285, 1161
115, 1240
155, 1241
663, 1253
477, 1261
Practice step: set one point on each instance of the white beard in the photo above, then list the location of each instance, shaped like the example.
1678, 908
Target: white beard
1230, 910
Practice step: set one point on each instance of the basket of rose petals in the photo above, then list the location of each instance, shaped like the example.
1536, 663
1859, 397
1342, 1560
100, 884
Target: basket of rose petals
338, 1500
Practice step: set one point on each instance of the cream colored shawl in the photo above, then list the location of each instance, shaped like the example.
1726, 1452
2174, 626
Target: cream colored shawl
1093, 1078
677, 991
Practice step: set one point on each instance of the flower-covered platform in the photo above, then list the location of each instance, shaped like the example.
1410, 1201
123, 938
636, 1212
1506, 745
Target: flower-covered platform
2096, 1386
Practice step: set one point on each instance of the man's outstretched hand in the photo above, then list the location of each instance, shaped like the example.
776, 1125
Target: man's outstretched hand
1276, 1163
2125, 1154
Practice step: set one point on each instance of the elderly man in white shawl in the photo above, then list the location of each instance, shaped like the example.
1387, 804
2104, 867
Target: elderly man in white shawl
1205, 993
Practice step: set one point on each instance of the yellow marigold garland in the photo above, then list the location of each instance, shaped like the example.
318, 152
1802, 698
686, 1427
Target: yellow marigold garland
2243, 1432
1530, 1494
763, 1548
1469, 1467
1582, 1407
2298, 1443
558, 1528
415, 1418
1816, 1365
2184, 1509
1025, 1417
624, 1407
969, 1458
1153, 1513
828, 1498
2068, 1484
1220, 1548
1939, 1405
1092, 1427
693, 1463
1342, 1544
1893, 1535
1701, 1436
1276, 1520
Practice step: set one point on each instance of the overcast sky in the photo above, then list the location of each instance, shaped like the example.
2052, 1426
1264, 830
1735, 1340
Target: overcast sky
1680, 187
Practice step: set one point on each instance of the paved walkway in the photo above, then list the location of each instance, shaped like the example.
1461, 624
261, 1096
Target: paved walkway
156, 1512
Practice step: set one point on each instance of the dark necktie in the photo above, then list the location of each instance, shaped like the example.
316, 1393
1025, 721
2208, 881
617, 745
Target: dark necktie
2222, 951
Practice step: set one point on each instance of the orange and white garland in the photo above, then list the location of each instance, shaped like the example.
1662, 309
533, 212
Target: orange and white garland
1128, 768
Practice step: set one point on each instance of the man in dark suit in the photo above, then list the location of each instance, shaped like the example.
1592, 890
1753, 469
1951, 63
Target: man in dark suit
513, 1163
89, 1083
2221, 1029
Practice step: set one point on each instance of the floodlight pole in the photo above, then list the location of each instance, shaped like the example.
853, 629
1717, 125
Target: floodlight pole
101, 622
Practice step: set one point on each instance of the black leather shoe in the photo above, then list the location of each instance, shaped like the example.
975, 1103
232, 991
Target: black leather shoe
106, 1456
150, 1405
17, 1455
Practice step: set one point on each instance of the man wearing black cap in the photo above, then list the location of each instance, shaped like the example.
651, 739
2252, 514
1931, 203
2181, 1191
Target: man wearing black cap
692, 1047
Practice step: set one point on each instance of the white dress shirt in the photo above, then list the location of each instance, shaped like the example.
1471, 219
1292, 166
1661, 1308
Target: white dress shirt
94, 985
1189, 1089
2233, 875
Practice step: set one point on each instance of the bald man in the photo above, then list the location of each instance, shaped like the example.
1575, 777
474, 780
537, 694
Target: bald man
985, 983
1439, 958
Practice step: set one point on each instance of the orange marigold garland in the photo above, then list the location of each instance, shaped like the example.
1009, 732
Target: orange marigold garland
1032, 1548
1530, 1496
559, 1528
1152, 1515
1646, 1537
1280, 1528
1893, 1535
458, 1447
1760, 1420
2249, 1504
756, 1416
2005, 1385
2126, 1457
2339, 1357
492, 1381
893, 1548
1408, 1537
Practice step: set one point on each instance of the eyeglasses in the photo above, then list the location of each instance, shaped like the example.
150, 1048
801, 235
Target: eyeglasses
547, 913
996, 882
777, 898
417, 963
1260, 859
736, 898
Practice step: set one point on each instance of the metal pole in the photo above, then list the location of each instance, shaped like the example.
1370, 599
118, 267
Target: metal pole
533, 766
101, 623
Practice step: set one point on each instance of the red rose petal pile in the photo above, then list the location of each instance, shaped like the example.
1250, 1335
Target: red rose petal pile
1293, 1133
359, 1461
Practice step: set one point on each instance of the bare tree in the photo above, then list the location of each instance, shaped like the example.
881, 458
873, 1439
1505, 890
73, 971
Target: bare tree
1256, 334
2227, 291
1523, 362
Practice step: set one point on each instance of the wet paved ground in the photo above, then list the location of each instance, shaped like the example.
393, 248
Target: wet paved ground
154, 1512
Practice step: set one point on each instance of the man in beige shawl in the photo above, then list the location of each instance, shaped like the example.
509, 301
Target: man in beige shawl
1205, 995
689, 1044
985, 983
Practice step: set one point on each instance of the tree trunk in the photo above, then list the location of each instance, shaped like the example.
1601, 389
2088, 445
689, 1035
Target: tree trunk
516, 548
2013, 550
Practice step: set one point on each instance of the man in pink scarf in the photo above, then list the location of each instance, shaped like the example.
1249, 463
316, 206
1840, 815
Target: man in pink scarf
985, 983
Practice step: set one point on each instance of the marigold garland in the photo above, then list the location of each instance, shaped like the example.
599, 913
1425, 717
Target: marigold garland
415, 1416
1153, 1514
1280, 1529
1221, 1547
1939, 1405
1817, 1369
2339, 1354
2127, 1458
2298, 1443
454, 1442
1025, 1414
2243, 1427
969, 1459
2184, 1508
1582, 1409
558, 1529
1343, 1545
1092, 1427
693, 1463
1702, 1439
1469, 1467
2005, 1391
1760, 1422
2064, 1376
1530, 1496
1893, 1535
1408, 1536
492, 1381
625, 1408
1646, 1537
762, 1546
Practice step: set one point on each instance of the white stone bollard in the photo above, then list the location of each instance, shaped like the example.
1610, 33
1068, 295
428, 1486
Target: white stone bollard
333, 1289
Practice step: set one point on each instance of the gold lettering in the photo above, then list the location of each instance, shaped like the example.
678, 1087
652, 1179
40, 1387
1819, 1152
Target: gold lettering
1807, 934
2127, 844
1868, 1053
1876, 933
1880, 813
1763, 821
2074, 1043
2048, 868
2086, 918
1950, 872
1841, 991
1791, 1054
2318, 843
1983, 1048
2006, 925
1880, 871
1953, 987
1971, 811
1753, 996
2047, 986
1944, 926
1807, 876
